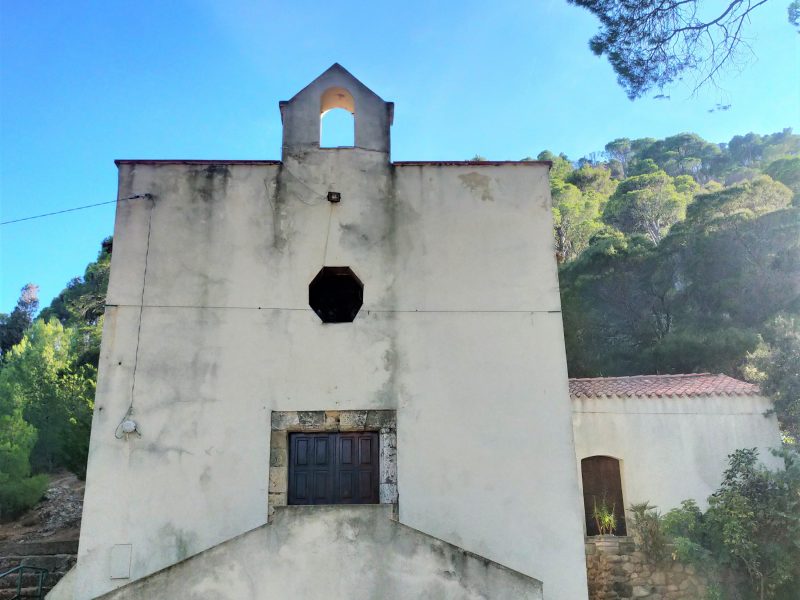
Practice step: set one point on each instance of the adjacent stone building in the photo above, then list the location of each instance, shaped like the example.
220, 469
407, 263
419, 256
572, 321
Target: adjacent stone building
663, 439
659, 439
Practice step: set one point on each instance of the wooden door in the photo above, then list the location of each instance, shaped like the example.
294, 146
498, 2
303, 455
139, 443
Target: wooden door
333, 468
602, 483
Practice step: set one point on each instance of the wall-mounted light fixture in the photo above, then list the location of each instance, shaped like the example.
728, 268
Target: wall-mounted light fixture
128, 426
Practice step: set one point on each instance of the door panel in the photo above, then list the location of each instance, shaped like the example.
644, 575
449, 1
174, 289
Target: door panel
365, 454
346, 451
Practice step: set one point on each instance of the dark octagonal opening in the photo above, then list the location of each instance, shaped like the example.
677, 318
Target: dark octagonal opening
336, 294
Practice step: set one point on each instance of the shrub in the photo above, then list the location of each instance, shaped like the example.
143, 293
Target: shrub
18, 490
648, 531
747, 540
684, 526
19, 495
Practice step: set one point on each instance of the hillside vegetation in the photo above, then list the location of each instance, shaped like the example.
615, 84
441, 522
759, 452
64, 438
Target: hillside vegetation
681, 256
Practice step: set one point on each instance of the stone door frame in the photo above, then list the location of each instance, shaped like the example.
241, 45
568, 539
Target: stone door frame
284, 422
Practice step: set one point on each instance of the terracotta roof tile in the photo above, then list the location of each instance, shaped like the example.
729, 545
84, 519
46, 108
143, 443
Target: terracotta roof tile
695, 384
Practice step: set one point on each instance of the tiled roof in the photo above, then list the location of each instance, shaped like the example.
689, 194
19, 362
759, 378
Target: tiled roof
695, 384
471, 163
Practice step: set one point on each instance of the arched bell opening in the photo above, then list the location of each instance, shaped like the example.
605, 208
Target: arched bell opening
337, 119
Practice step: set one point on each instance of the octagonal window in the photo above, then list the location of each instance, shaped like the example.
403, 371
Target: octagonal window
336, 295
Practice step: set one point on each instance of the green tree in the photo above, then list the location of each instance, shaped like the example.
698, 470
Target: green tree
749, 199
575, 217
685, 184
81, 306
620, 151
685, 154
13, 326
83, 300
647, 204
18, 489
643, 166
640, 145
698, 300
775, 367
652, 43
47, 381
746, 150
751, 528
794, 13
561, 168
611, 312
41, 379
787, 171
753, 149
593, 179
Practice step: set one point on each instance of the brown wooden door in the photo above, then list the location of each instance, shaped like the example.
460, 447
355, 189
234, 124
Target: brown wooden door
602, 483
333, 468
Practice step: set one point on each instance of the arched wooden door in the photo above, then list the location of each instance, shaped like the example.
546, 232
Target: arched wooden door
602, 484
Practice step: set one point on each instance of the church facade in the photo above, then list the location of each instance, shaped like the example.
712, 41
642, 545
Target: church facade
334, 328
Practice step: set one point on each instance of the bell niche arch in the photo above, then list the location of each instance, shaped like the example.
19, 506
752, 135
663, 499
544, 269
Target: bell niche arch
337, 118
335, 89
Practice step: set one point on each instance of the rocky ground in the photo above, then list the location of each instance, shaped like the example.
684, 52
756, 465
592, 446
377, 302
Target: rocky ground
57, 517
46, 536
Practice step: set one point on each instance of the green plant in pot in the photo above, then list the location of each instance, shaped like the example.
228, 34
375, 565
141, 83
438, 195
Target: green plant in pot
604, 517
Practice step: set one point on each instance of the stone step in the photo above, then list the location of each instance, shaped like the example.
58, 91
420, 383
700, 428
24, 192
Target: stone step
29, 579
38, 548
30, 593
61, 562
57, 557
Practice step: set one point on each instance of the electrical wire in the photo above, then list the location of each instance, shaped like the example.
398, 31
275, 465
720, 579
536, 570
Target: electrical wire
66, 210
327, 236
321, 196
366, 310
129, 412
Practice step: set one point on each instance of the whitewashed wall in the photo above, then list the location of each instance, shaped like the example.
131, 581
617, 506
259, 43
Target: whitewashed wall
352, 552
672, 448
460, 332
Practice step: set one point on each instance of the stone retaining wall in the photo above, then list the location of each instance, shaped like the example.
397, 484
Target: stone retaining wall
56, 557
617, 569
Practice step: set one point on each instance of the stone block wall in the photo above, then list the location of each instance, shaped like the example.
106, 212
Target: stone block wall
56, 557
618, 570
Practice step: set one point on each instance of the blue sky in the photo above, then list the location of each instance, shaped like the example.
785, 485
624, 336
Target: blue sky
83, 83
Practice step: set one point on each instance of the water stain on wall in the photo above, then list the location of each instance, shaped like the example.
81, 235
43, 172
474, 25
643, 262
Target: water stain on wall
478, 184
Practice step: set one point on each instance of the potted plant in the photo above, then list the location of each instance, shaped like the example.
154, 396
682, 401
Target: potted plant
604, 518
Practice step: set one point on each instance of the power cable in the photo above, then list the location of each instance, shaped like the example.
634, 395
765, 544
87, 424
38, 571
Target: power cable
66, 210
129, 412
